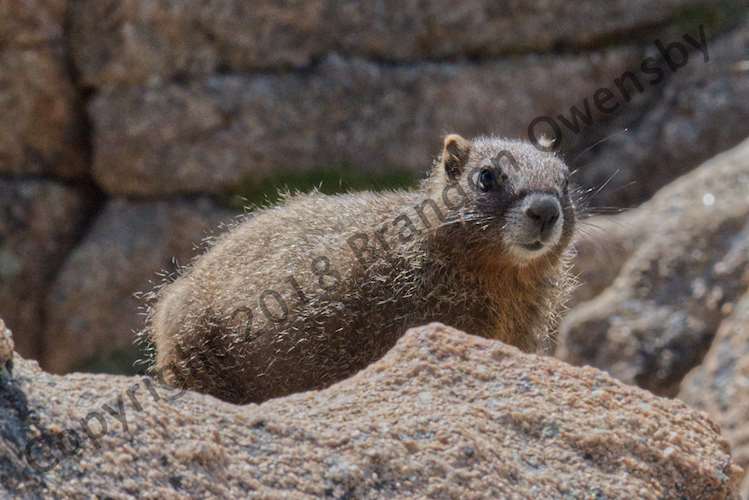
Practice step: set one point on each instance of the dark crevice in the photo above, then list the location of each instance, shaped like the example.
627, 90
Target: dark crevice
15, 419
85, 135
94, 197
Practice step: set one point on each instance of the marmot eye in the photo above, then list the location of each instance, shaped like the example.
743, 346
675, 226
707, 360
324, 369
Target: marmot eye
486, 180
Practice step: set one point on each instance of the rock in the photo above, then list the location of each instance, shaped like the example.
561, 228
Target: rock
91, 308
481, 29
31, 23
40, 115
224, 91
658, 318
14, 426
603, 245
704, 109
672, 139
118, 43
443, 414
39, 224
720, 385
676, 135
6, 345
40, 128
210, 134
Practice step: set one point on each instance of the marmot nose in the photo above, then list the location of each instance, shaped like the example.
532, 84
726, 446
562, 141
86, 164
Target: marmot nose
544, 211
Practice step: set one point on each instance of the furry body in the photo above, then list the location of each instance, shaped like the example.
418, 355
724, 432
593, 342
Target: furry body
303, 295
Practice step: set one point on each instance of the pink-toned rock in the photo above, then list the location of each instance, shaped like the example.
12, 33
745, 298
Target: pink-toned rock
443, 414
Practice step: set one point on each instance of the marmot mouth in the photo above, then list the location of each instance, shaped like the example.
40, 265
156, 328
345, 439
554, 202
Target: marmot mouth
533, 247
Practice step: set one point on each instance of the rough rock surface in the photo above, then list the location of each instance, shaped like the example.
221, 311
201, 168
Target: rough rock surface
703, 110
207, 135
31, 23
39, 224
443, 414
6, 345
39, 121
720, 385
138, 41
91, 308
40, 118
603, 245
14, 421
658, 318
193, 96
188, 96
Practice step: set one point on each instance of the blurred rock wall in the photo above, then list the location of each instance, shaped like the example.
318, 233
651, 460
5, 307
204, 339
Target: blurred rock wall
126, 124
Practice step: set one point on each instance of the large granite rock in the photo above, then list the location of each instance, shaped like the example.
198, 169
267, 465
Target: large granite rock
443, 414
14, 421
31, 23
658, 318
186, 92
603, 244
703, 110
210, 134
40, 122
720, 385
6, 345
40, 222
39, 114
139, 41
189, 110
91, 307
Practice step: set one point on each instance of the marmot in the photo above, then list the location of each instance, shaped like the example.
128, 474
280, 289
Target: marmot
304, 294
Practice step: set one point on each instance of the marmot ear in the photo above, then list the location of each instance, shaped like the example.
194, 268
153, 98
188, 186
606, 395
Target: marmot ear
455, 153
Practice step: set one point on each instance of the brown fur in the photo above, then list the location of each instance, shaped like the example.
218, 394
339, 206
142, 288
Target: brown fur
211, 334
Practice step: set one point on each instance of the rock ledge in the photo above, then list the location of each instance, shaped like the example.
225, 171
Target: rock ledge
442, 414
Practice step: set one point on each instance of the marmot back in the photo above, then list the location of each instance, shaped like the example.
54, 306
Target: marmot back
305, 294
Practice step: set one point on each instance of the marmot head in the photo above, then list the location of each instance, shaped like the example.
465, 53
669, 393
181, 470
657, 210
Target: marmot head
516, 195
